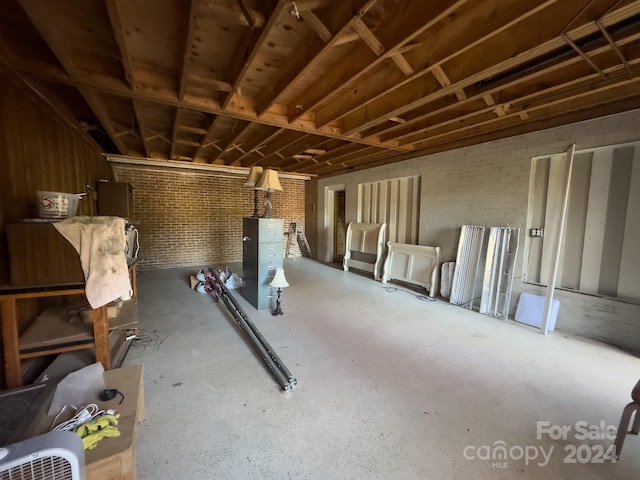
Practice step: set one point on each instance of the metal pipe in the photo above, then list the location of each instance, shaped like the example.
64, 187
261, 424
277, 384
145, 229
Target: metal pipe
260, 344
558, 246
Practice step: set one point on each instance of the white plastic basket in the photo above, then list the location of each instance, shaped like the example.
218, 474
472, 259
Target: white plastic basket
57, 204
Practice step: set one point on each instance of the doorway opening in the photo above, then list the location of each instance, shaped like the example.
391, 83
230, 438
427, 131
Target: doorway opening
340, 227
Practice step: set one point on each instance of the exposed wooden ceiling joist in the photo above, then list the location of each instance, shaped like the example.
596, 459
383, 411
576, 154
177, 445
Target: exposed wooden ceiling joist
321, 86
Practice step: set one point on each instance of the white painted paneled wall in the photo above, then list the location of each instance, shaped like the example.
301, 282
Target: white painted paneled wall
394, 202
600, 248
489, 184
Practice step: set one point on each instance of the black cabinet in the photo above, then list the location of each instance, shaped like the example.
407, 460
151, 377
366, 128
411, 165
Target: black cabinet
115, 199
261, 255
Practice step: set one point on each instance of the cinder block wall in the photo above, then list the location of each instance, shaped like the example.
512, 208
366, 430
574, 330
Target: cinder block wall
488, 184
194, 217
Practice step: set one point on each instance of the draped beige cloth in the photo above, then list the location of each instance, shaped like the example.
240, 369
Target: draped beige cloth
100, 242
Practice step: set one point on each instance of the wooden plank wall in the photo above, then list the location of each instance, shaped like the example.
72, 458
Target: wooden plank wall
39, 150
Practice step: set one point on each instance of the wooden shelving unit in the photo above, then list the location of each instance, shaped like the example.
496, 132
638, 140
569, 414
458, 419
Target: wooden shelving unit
13, 354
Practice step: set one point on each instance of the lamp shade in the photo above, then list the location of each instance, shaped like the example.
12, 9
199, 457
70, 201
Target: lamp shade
269, 181
254, 175
279, 280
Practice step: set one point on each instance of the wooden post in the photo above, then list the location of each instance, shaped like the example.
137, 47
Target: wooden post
101, 337
13, 375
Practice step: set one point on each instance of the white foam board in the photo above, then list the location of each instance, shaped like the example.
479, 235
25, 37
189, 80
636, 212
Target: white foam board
531, 308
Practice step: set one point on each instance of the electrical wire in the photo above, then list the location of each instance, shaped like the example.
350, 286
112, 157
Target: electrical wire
82, 415
142, 341
422, 298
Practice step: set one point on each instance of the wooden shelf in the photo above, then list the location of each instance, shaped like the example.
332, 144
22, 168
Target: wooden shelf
99, 338
113, 458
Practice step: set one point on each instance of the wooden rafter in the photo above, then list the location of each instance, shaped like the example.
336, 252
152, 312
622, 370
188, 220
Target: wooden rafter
338, 24
273, 149
207, 141
392, 36
316, 24
231, 139
344, 86
469, 69
174, 134
115, 18
293, 148
545, 75
141, 127
60, 49
252, 44
248, 13
590, 97
120, 34
187, 44
429, 60
401, 62
368, 36
257, 143
206, 105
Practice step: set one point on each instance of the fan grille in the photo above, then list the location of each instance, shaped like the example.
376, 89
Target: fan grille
47, 468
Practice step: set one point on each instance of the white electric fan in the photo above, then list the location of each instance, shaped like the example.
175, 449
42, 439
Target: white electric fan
57, 455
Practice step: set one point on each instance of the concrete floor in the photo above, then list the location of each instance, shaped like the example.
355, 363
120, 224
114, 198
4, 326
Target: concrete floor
389, 387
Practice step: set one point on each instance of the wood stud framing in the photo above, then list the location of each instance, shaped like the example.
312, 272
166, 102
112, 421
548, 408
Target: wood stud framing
324, 86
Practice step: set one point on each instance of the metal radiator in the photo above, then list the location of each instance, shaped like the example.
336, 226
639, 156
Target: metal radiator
467, 262
502, 249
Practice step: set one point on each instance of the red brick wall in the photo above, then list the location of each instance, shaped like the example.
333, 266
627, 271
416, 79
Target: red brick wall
194, 217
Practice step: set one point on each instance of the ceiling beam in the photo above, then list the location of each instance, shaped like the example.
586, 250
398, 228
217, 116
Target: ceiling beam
141, 127
248, 13
316, 25
240, 111
481, 22
120, 34
50, 32
565, 69
368, 36
256, 144
102, 112
468, 68
253, 41
187, 45
345, 161
323, 147
392, 35
527, 98
337, 23
273, 150
229, 141
207, 140
293, 148
588, 98
174, 133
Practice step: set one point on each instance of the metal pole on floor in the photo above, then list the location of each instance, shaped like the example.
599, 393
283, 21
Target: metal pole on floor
259, 343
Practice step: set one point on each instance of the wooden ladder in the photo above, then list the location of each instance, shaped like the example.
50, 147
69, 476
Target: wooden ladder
298, 236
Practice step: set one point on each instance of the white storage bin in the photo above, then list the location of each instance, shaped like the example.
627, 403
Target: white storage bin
57, 204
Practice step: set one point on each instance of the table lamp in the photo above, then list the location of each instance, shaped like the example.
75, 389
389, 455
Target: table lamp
252, 179
279, 281
269, 182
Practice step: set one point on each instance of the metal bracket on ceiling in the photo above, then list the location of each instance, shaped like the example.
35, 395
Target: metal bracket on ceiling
584, 56
615, 48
